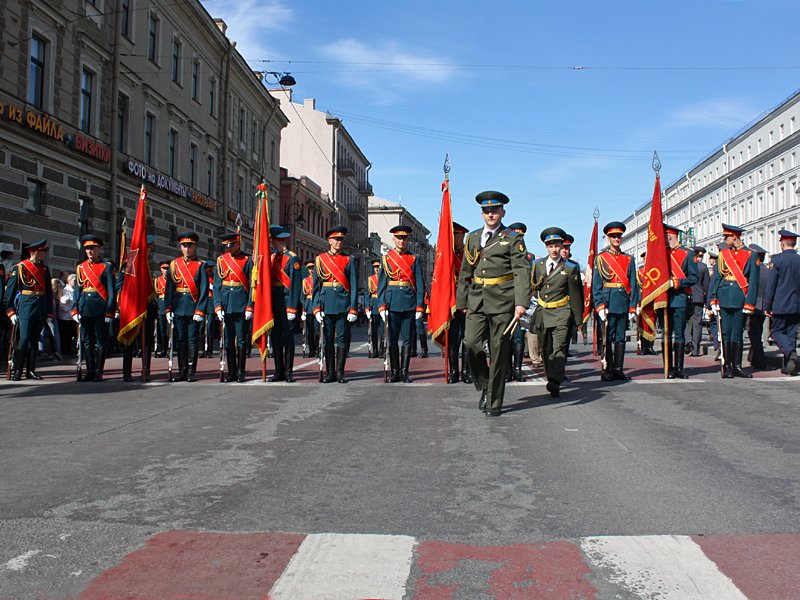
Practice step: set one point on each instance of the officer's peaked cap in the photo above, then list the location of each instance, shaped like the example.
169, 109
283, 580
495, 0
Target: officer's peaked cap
553, 234
490, 199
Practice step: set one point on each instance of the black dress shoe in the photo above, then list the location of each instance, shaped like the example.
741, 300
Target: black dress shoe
494, 412
482, 402
554, 388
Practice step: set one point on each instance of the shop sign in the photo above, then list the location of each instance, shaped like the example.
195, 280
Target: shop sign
89, 146
39, 122
168, 184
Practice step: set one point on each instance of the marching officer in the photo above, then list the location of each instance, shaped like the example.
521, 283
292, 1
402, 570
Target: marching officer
373, 312
287, 284
30, 279
184, 304
734, 290
335, 298
712, 322
517, 353
160, 285
645, 331
558, 293
311, 326
683, 275
699, 297
566, 254
401, 299
755, 322
211, 321
233, 305
421, 326
151, 313
615, 295
782, 299
493, 291
455, 334
93, 305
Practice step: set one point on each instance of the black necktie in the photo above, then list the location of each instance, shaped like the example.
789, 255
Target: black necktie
552, 268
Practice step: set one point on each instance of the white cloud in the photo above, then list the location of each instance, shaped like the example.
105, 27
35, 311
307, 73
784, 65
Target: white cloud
718, 113
247, 21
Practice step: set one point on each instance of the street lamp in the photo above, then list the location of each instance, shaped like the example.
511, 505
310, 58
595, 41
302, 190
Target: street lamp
284, 79
294, 205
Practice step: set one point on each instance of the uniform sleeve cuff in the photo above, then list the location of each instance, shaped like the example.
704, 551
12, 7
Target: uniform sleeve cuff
200, 312
382, 307
352, 311
749, 307
421, 309
73, 312
291, 310
599, 308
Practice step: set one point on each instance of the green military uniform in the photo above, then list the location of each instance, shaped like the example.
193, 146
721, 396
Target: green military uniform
558, 292
29, 303
287, 284
493, 281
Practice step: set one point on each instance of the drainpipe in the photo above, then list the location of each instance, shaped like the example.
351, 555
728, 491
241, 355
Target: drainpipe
113, 241
223, 180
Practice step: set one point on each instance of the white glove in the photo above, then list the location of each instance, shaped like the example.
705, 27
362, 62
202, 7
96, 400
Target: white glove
747, 311
638, 310
303, 316
369, 314
602, 314
418, 315
116, 315
632, 318
248, 315
15, 319
50, 322
221, 314
384, 313
715, 309
320, 316
109, 320
290, 315
351, 318
76, 318
198, 318
169, 316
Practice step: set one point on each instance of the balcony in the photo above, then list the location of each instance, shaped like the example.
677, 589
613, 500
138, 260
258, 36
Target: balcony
346, 167
365, 188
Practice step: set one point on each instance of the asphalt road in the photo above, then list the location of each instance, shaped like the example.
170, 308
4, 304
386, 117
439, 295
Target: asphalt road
89, 472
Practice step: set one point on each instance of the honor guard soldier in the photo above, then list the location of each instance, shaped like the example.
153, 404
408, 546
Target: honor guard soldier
755, 322
455, 335
233, 304
517, 353
713, 331
699, 299
30, 279
615, 295
184, 304
373, 312
310, 323
287, 282
151, 314
421, 326
782, 299
160, 285
683, 275
734, 290
401, 299
647, 333
493, 290
209, 333
558, 292
335, 298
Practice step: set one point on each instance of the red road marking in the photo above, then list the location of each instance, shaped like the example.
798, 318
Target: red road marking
546, 571
763, 567
177, 565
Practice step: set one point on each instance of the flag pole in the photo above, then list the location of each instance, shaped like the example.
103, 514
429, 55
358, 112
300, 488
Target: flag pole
596, 215
665, 334
446, 169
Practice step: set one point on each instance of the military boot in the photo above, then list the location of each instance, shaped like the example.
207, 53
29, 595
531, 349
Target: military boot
452, 363
289, 362
394, 364
16, 375
231, 356
101, 363
405, 360
736, 355
90, 364
680, 354
727, 354
191, 374
466, 375
423, 344
341, 359
607, 374
147, 360
619, 362
330, 364
519, 352
280, 366
240, 366
30, 367
127, 364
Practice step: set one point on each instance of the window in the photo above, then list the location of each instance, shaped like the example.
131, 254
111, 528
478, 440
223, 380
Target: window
173, 151
210, 176
36, 72
195, 79
176, 61
240, 195
272, 154
125, 18
241, 125
36, 191
192, 164
149, 133
123, 108
212, 97
152, 39
87, 85
254, 137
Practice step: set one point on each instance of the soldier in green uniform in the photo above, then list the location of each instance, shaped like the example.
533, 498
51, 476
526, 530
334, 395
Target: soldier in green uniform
30, 280
733, 295
184, 304
401, 299
232, 302
374, 321
683, 274
493, 290
457, 324
287, 282
558, 293
93, 305
311, 325
160, 285
517, 353
335, 297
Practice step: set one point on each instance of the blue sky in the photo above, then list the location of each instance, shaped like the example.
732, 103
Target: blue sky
496, 86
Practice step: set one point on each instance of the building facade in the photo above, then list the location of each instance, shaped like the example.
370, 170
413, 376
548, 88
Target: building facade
94, 107
750, 181
307, 213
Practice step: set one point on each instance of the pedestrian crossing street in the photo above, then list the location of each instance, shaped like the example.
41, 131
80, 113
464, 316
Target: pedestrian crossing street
177, 565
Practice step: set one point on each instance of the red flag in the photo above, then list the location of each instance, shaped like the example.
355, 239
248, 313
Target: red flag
261, 278
443, 284
656, 280
588, 303
137, 287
